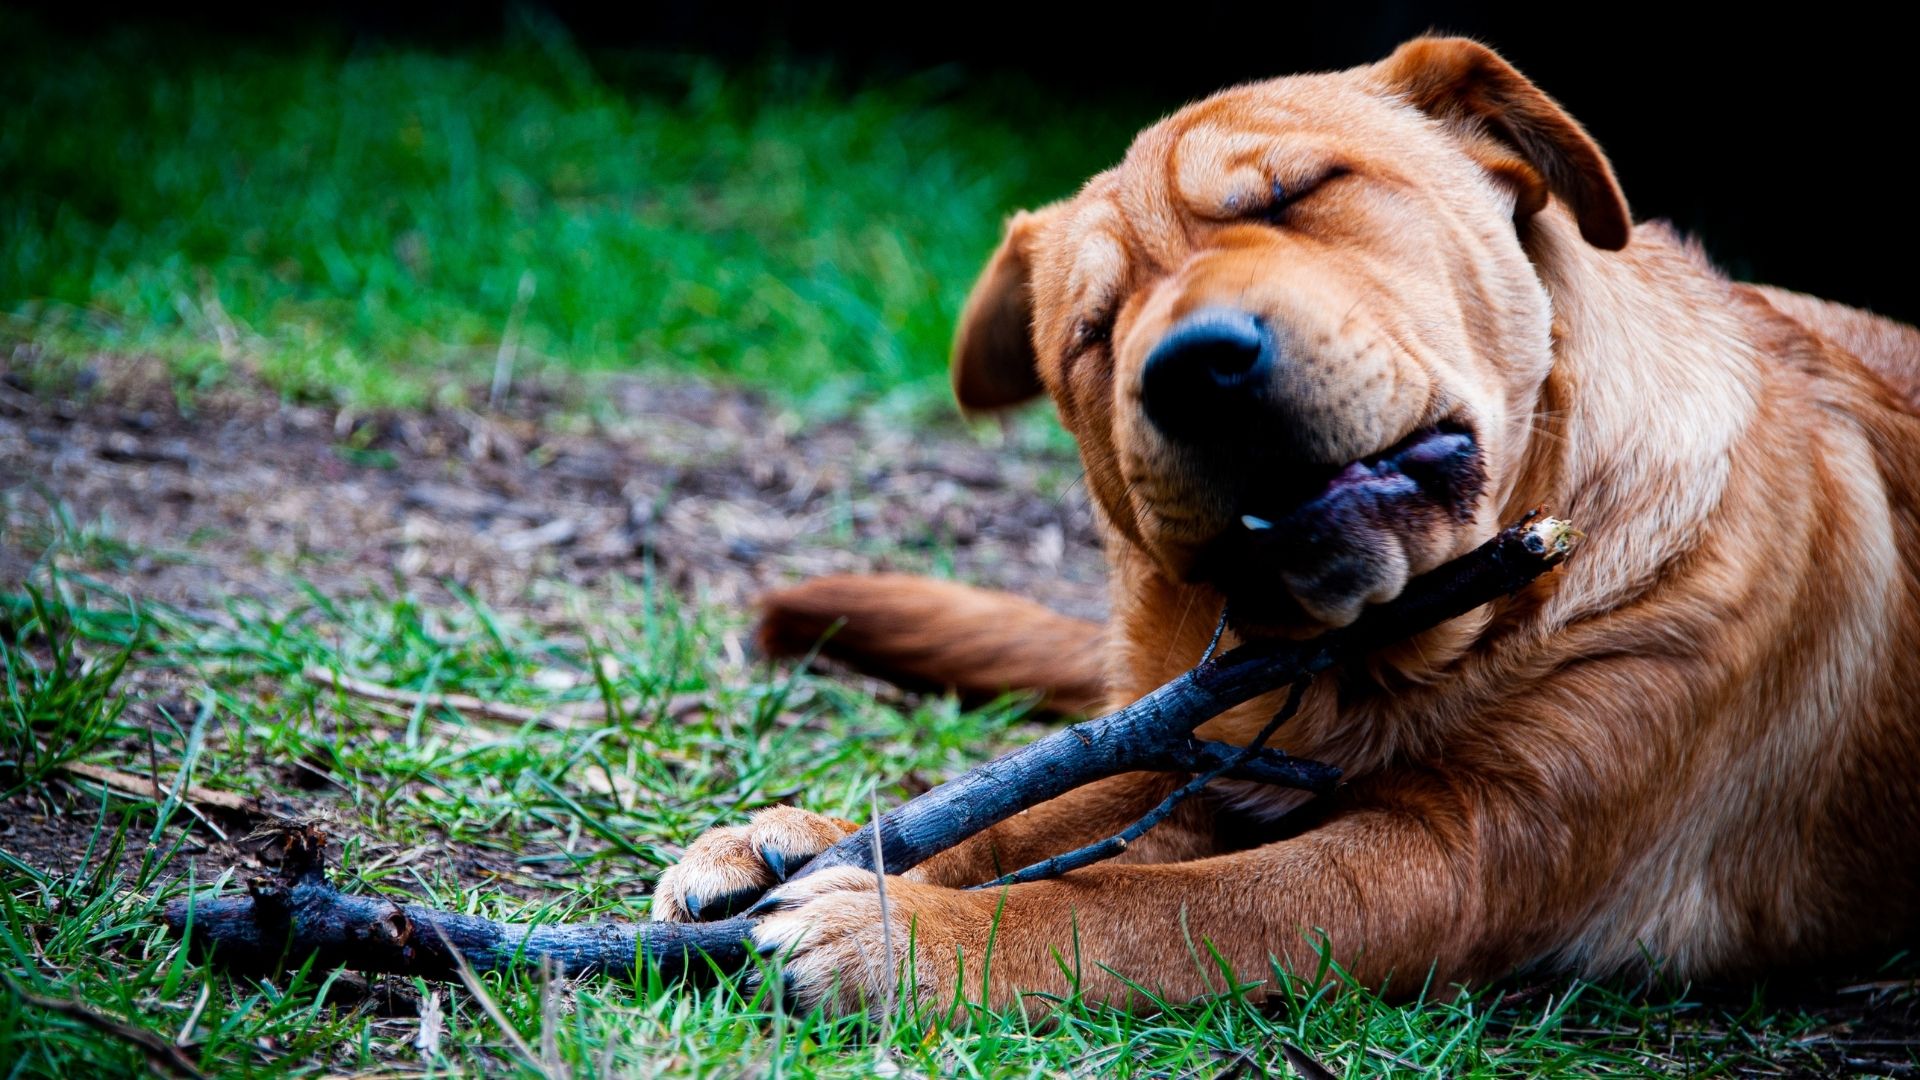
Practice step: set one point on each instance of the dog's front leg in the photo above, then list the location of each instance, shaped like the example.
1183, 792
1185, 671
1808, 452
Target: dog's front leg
728, 868
1387, 890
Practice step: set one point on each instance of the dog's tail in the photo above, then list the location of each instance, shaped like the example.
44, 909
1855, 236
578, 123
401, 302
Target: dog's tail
924, 633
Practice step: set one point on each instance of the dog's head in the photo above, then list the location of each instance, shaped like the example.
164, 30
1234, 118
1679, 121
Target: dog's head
1296, 331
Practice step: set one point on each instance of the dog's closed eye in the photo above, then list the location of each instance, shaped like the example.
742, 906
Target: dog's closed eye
1282, 196
1093, 330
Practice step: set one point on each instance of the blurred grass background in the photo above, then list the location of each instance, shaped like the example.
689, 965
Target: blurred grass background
366, 223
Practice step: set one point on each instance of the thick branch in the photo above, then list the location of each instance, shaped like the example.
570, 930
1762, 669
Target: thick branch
302, 915
297, 914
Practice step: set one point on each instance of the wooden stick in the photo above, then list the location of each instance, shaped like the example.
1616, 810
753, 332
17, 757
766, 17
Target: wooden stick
143, 787
285, 919
1102, 850
298, 915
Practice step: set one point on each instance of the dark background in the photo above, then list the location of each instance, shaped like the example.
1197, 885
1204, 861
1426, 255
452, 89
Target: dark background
1779, 140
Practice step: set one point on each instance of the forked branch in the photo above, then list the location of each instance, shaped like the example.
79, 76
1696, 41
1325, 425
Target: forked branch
286, 919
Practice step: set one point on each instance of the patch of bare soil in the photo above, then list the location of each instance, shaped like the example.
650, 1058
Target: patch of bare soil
716, 492
712, 489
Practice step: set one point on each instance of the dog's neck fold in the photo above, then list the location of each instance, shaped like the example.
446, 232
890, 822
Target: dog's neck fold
1655, 382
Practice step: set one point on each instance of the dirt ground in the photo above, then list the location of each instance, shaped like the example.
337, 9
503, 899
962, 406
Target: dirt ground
712, 489
716, 491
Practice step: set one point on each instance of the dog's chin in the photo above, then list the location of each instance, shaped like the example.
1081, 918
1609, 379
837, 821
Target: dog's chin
1310, 553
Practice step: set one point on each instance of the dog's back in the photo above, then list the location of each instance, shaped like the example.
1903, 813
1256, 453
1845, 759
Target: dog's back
1890, 349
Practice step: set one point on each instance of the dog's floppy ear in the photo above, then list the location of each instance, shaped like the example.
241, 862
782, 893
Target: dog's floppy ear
1456, 79
993, 357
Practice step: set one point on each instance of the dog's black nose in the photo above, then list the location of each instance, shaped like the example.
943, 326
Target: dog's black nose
1213, 370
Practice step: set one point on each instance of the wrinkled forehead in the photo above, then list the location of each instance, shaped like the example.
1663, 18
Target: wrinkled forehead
1216, 156
1217, 160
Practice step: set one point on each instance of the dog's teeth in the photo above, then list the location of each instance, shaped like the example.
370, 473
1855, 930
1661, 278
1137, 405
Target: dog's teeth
1254, 523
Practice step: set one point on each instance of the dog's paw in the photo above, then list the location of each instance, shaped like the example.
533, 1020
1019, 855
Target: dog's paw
729, 868
827, 932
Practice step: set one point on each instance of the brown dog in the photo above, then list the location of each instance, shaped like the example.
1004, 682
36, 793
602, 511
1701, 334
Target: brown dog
1320, 334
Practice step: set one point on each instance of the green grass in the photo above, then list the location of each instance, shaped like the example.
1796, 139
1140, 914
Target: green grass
560, 824
368, 224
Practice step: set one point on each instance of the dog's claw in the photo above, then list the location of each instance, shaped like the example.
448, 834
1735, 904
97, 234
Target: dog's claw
727, 905
790, 998
775, 861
